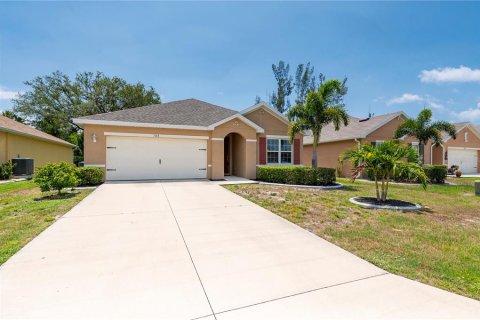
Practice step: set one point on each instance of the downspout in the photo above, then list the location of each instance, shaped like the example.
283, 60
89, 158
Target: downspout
358, 142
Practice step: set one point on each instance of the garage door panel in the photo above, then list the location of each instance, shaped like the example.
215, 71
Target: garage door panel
466, 159
138, 158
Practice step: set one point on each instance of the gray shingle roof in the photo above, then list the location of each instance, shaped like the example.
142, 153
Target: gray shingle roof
355, 129
189, 112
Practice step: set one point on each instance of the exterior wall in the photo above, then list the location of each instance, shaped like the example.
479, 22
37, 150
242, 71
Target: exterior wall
437, 155
272, 126
95, 152
386, 131
43, 152
328, 154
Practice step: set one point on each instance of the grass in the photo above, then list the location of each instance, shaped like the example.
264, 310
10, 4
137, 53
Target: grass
468, 181
25, 212
439, 245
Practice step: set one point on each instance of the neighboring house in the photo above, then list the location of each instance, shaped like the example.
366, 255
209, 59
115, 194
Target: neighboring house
187, 139
463, 151
359, 131
18, 140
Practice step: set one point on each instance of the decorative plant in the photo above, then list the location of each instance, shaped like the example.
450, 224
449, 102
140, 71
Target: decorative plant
385, 161
321, 108
6, 170
56, 176
458, 173
424, 130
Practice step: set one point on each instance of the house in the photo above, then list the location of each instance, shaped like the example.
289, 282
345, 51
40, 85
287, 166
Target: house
463, 151
187, 139
18, 140
359, 131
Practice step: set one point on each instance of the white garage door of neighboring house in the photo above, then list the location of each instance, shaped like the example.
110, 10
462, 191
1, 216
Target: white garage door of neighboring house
143, 158
465, 159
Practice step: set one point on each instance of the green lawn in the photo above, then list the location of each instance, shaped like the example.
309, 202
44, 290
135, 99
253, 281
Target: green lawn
439, 246
22, 217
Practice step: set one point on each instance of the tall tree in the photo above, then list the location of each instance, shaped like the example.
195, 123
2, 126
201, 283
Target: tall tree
10, 114
258, 99
424, 130
53, 100
279, 99
305, 82
321, 108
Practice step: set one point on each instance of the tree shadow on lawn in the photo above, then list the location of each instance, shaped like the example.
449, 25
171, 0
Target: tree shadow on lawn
61, 196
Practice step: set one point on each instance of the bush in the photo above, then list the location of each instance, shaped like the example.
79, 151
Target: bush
6, 170
296, 175
56, 176
436, 173
89, 176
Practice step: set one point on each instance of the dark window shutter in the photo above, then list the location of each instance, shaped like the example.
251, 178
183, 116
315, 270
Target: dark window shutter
262, 150
296, 151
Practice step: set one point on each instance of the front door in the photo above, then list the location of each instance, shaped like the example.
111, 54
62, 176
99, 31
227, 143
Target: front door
226, 155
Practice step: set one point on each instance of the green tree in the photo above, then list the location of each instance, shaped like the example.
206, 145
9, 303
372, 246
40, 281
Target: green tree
424, 130
321, 108
305, 82
385, 161
53, 100
10, 114
279, 99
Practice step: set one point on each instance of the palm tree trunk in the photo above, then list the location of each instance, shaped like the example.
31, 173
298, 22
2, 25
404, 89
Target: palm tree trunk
376, 188
314, 150
386, 189
383, 189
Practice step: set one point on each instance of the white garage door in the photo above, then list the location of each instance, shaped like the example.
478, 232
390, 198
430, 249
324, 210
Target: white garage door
139, 158
465, 159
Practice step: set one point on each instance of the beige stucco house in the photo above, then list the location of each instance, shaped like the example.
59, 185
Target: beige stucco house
187, 139
359, 131
18, 140
463, 151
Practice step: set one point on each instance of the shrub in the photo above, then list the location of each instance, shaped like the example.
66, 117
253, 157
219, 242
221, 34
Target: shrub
6, 170
89, 176
436, 173
296, 175
56, 176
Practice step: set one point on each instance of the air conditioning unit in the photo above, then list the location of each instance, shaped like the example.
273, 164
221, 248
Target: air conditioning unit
23, 167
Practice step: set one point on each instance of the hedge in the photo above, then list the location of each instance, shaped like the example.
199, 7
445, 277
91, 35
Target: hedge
90, 176
296, 175
435, 174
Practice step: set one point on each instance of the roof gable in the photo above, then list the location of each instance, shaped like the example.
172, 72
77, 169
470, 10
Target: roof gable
265, 106
356, 129
459, 126
12, 126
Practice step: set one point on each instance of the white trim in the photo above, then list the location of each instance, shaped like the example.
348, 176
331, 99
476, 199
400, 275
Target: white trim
251, 140
468, 125
153, 135
333, 140
463, 148
217, 139
269, 109
28, 135
277, 137
137, 124
240, 117
94, 165
279, 151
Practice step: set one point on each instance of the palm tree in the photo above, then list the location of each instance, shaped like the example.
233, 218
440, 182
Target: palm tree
385, 161
321, 108
424, 130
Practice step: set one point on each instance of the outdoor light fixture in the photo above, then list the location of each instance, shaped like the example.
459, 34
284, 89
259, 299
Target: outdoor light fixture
94, 138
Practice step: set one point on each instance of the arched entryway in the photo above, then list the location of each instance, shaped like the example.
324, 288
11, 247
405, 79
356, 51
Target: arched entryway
234, 155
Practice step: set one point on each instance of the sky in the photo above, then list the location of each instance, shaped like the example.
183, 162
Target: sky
396, 56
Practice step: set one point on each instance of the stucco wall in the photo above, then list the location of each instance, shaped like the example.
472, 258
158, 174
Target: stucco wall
43, 152
272, 126
328, 154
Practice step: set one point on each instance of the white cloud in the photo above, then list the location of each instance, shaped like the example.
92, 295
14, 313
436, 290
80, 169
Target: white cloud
6, 94
435, 105
405, 98
449, 74
471, 114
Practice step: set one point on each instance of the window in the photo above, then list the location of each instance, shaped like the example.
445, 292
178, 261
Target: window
377, 143
466, 136
416, 147
279, 151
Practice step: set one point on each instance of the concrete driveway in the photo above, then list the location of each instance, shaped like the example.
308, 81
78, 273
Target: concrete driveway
189, 250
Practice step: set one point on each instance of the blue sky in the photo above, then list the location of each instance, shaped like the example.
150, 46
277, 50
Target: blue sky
397, 56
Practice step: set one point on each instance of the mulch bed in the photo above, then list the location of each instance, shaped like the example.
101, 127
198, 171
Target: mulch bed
388, 202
